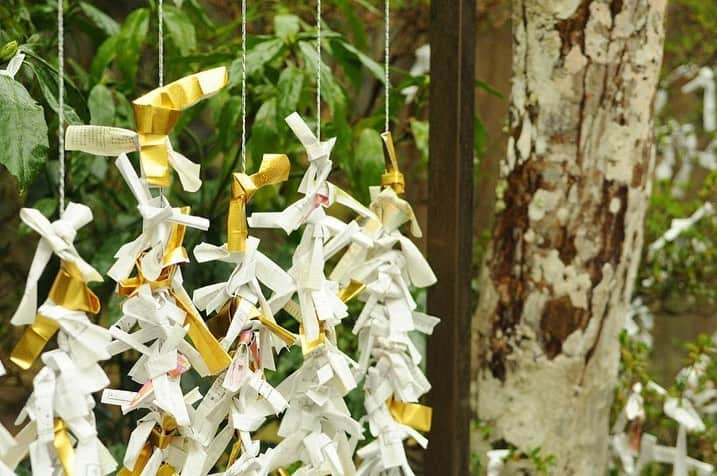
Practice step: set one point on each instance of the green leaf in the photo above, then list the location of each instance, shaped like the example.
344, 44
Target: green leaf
286, 27
291, 82
488, 88
256, 58
23, 132
419, 129
129, 42
368, 163
357, 26
180, 30
103, 21
104, 56
229, 118
331, 91
263, 132
373, 66
47, 78
102, 106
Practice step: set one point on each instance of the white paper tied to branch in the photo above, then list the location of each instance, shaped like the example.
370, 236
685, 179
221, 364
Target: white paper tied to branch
13, 66
705, 80
111, 141
157, 222
56, 237
680, 225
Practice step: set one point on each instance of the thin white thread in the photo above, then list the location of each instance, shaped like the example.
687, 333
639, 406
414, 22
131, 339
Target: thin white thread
243, 86
61, 99
387, 60
160, 32
160, 63
318, 69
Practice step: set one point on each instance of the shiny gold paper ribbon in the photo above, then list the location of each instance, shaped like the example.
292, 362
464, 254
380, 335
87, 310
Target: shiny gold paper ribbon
71, 292
353, 289
219, 324
274, 169
33, 340
393, 177
308, 346
160, 437
234, 453
411, 414
175, 253
157, 112
216, 358
282, 472
63, 446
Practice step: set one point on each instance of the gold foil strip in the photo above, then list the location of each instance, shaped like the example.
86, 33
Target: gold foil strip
411, 414
274, 169
157, 112
393, 177
70, 291
63, 446
353, 289
33, 340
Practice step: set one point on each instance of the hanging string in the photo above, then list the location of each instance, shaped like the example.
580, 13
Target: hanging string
387, 61
318, 69
243, 86
61, 100
160, 42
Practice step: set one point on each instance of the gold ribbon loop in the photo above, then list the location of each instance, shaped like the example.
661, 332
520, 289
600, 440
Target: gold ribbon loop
175, 253
411, 414
63, 446
70, 291
274, 169
157, 112
393, 177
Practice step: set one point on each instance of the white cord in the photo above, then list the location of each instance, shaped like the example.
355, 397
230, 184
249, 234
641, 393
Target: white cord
160, 63
160, 32
318, 69
387, 60
243, 86
61, 99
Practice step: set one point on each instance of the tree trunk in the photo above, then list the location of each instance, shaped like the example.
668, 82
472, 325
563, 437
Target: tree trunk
566, 246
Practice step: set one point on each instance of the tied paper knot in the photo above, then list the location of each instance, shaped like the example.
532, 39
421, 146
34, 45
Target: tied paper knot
156, 113
219, 324
70, 291
274, 169
393, 177
55, 238
159, 233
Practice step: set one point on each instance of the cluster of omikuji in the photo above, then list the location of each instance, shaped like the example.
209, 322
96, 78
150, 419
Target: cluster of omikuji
185, 432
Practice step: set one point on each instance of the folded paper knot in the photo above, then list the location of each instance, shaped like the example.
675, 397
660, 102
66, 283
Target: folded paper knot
157, 112
130, 286
393, 177
174, 251
274, 169
219, 324
63, 446
411, 414
161, 435
65, 230
71, 291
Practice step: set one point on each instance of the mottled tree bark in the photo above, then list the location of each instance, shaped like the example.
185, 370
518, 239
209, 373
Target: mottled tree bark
569, 226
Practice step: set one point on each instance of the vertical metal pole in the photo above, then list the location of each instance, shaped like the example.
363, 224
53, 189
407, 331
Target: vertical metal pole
450, 191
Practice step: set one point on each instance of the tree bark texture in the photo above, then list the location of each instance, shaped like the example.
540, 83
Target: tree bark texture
569, 228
